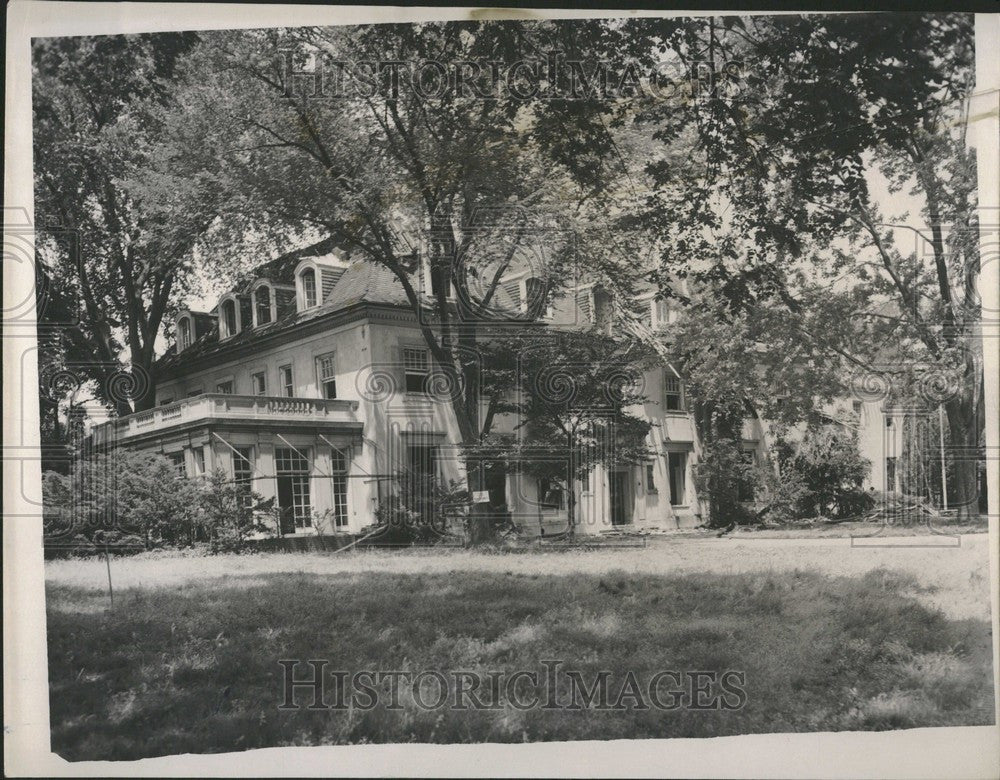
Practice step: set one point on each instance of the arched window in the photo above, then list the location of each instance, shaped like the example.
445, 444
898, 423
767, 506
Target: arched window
308, 277
229, 327
183, 333
262, 305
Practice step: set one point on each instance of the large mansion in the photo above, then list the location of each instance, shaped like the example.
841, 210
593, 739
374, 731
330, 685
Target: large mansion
312, 383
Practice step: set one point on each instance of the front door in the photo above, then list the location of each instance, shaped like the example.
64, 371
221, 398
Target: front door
618, 486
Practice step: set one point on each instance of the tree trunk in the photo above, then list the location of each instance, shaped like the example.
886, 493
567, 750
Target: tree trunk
964, 433
480, 526
147, 400
571, 507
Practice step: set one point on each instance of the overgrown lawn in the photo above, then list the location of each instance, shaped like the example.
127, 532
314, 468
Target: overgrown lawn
195, 668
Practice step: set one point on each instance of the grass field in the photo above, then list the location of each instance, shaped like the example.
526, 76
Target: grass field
189, 664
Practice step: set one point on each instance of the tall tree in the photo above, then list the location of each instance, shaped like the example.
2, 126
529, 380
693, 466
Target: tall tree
472, 186
95, 102
575, 396
826, 106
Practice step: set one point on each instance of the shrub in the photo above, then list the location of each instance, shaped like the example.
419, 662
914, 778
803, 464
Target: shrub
723, 475
120, 499
231, 513
830, 468
781, 493
422, 510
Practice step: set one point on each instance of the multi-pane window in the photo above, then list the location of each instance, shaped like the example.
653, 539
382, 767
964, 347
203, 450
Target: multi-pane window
339, 469
193, 393
226, 387
262, 304
672, 393
293, 465
650, 480
287, 385
243, 468
165, 401
326, 372
184, 333
309, 288
259, 383
229, 318
199, 460
677, 474
661, 312
177, 459
416, 368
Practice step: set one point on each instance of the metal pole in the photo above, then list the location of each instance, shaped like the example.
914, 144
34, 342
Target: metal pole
107, 560
240, 455
944, 474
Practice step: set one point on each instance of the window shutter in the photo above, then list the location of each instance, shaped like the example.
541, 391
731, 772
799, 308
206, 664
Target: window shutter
583, 307
513, 289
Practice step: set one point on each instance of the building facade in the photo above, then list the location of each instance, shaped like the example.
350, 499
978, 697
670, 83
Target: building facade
312, 384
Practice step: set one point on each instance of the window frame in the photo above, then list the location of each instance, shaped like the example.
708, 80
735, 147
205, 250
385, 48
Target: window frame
256, 304
661, 310
184, 332
255, 390
225, 331
339, 468
243, 465
301, 483
322, 383
227, 381
409, 373
287, 388
200, 462
179, 461
311, 271
668, 381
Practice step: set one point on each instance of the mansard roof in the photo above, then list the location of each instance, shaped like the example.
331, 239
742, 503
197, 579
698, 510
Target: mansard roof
361, 283
281, 270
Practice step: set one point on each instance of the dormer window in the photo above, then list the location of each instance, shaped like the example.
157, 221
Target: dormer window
308, 280
662, 313
263, 306
183, 333
229, 324
534, 295
315, 277
432, 279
